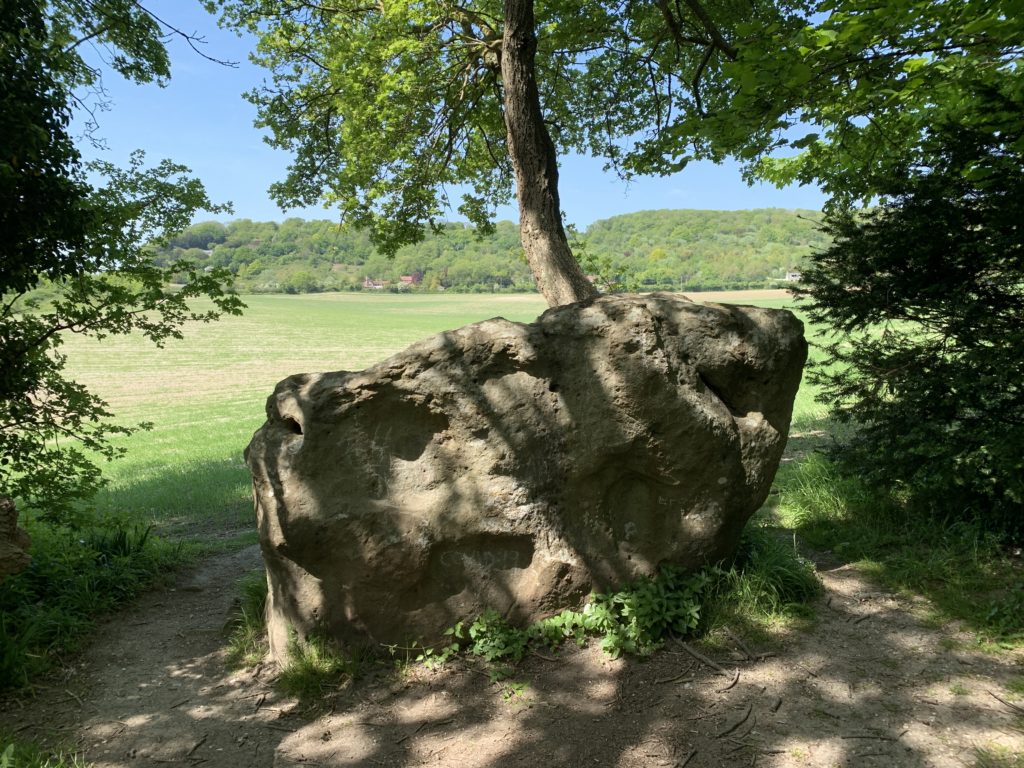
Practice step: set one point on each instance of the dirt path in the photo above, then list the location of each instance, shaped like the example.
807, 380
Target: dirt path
870, 685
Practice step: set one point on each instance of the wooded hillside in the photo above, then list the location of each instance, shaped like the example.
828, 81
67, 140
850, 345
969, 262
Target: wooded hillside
669, 249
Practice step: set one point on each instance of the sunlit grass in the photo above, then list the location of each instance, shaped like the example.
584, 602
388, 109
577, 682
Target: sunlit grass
206, 394
966, 572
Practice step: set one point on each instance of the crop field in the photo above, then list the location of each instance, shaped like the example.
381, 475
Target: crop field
205, 394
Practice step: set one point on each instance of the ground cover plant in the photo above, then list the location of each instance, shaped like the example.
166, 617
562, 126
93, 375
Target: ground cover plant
769, 583
20, 755
75, 576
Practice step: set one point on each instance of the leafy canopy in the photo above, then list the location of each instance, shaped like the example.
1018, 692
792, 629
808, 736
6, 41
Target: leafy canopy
86, 241
916, 105
843, 92
927, 291
386, 106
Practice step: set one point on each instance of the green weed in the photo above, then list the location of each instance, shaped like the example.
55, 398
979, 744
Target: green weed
998, 757
315, 668
1016, 686
47, 610
768, 581
963, 569
247, 637
15, 754
633, 620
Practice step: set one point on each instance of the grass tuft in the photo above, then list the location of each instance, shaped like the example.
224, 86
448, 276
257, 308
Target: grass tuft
47, 610
17, 754
315, 669
247, 635
998, 757
770, 581
964, 570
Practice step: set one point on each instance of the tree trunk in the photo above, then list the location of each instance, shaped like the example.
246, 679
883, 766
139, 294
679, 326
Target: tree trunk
559, 277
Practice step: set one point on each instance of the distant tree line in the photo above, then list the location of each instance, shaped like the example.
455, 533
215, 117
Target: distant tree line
651, 250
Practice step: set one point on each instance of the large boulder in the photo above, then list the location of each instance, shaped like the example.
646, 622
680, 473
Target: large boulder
14, 542
519, 467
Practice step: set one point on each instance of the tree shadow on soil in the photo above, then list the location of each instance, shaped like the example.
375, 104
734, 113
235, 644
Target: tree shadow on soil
867, 687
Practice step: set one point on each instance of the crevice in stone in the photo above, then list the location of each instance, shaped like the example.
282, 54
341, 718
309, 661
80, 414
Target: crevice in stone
735, 412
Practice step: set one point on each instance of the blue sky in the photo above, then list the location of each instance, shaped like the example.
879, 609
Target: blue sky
201, 120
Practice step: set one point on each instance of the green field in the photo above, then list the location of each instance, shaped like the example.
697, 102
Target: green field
205, 394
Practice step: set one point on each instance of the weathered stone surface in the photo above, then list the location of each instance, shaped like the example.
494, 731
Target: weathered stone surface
14, 542
519, 466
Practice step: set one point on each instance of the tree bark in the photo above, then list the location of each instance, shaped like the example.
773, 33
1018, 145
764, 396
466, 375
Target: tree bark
559, 277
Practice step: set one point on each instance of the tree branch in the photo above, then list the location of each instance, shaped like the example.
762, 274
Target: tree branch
712, 29
193, 40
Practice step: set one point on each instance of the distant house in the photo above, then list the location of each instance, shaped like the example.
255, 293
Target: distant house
374, 285
414, 279
793, 276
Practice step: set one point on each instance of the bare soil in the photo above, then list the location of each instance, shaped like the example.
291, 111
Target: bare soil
869, 685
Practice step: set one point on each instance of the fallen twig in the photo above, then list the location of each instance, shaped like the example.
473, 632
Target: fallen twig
680, 676
197, 745
729, 729
75, 697
259, 702
735, 680
865, 617
701, 657
542, 656
419, 728
423, 725
616, 700
1010, 704
273, 727
177, 704
687, 759
808, 671
471, 668
751, 656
